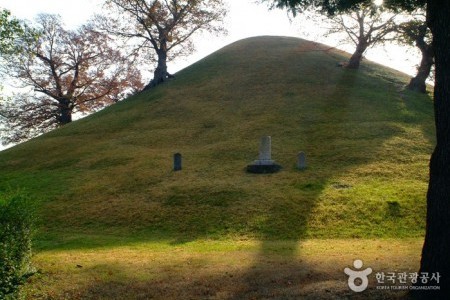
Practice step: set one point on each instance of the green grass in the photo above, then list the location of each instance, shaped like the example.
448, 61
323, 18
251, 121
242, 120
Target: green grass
244, 269
111, 172
107, 180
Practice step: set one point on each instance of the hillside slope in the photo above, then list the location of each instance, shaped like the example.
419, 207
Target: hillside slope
367, 143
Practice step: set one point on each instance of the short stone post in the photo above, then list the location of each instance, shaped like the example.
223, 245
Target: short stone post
177, 162
301, 161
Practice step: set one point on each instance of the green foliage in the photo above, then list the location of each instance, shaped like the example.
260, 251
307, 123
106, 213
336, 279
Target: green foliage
10, 28
332, 7
16, 226
416, 32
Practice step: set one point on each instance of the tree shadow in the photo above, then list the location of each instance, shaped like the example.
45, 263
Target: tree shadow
335, 108
289, 279
342, 119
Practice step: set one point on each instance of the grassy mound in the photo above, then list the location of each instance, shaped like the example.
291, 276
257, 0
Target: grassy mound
367, 142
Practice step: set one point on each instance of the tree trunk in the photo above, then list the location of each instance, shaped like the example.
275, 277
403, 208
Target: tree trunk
418, 83
65, 112
160, 75
436, 249
357, 56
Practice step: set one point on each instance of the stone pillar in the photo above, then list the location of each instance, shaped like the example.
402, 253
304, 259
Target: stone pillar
265, 148
301, 161
177, 162
264, 163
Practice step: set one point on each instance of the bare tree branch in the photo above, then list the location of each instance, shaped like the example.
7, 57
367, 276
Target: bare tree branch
166, 25
67, 70
365, 26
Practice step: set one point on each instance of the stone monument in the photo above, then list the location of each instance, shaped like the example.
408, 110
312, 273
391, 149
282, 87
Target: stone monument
264, 163
301, 161
177, 162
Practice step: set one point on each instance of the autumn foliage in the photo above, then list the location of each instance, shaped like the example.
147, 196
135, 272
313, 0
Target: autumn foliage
162, 30
61, 72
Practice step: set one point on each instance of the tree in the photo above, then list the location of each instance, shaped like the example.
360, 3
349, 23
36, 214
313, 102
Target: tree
10, 29
163, 28
366, 25
436, 248
417, 33
437, 238
68, 71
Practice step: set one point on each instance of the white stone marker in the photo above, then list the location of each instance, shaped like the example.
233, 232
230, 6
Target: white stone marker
265, 151
264, 163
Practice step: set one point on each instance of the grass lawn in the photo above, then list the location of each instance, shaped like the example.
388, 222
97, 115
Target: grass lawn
231, 269
110, 202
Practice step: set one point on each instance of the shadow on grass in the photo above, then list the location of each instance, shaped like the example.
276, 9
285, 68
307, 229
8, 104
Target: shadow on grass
265, 284
273, 277
336, 108
337, 118
276, 272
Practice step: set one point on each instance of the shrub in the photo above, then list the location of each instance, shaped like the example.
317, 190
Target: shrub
16, 224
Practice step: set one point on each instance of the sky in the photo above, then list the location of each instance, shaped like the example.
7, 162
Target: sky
246, 18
